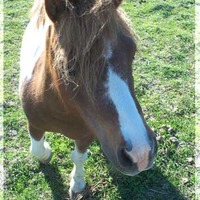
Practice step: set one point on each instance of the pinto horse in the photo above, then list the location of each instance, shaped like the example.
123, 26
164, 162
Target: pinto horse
76, 79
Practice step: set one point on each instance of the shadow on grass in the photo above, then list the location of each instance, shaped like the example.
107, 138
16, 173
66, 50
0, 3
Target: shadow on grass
55, 181
149, 185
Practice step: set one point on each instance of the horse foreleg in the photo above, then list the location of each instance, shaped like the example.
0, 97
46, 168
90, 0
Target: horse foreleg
77, 182
39, 147
79, 156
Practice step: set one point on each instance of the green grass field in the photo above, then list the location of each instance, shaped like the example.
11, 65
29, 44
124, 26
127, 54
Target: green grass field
1, 99
164, 83
197, 96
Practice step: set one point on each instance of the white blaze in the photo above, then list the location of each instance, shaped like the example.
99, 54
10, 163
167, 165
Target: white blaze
132, 126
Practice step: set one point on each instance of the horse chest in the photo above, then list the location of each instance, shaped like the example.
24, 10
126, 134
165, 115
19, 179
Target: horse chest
50, 115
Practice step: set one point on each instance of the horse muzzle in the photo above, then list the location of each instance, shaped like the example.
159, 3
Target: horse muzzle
135, 159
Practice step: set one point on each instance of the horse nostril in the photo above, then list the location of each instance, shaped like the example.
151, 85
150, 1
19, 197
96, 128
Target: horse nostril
126, 157
128, 146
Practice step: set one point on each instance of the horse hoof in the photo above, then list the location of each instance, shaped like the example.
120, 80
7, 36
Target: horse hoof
47, 160
75, 195
84, 194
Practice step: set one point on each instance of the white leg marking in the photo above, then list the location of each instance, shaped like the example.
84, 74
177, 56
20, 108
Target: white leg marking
41, 150
132, 126
77, 183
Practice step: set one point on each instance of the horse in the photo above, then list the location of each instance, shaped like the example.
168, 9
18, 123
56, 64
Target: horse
76, 79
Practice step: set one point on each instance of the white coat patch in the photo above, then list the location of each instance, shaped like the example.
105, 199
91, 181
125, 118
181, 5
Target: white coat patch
33, 45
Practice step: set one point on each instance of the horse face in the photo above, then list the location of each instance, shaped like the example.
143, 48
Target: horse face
116, 117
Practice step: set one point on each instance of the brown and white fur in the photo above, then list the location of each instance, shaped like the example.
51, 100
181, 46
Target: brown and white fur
76, 79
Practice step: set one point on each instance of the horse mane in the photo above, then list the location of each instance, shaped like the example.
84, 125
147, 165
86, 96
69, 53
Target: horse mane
77, 43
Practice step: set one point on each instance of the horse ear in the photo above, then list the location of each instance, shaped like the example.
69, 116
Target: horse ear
117, 3
54, 8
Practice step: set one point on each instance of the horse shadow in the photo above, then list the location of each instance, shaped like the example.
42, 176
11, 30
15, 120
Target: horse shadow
149, 185
55, 181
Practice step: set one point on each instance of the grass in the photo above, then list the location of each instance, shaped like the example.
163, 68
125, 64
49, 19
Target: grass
1, 99
197, 97
164, 84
